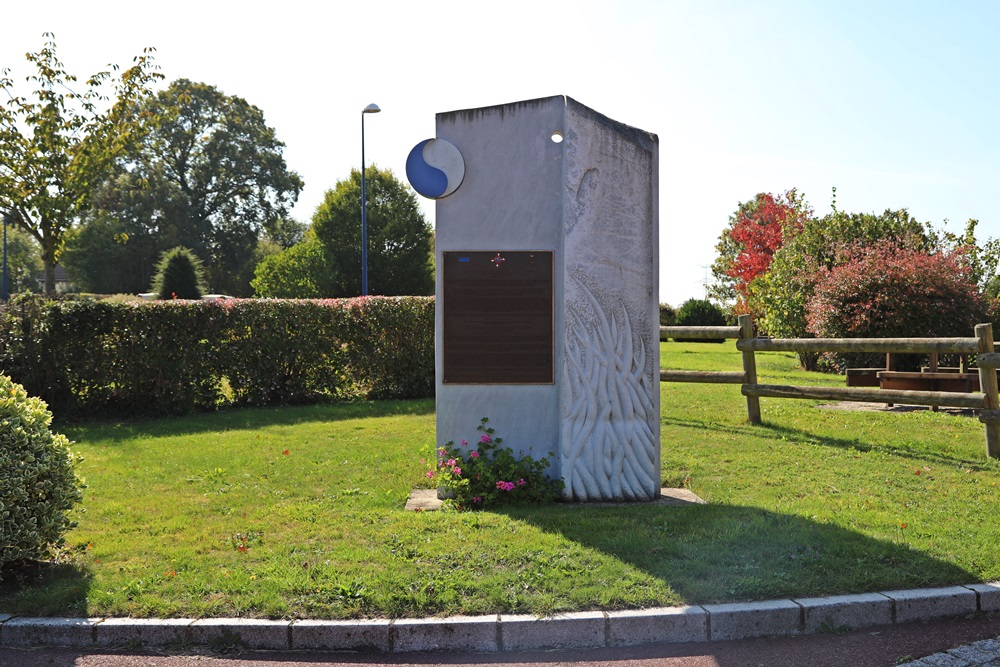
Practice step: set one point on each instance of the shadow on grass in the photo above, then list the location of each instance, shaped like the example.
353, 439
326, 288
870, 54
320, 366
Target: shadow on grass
724, 553
243, 419
772, 431
45, 589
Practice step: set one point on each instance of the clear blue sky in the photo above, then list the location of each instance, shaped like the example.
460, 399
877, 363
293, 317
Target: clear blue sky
894, 103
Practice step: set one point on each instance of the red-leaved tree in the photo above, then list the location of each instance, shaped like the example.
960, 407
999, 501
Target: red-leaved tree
756, 231
889, 291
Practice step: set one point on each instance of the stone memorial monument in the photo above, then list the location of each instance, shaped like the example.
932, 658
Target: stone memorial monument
547, 275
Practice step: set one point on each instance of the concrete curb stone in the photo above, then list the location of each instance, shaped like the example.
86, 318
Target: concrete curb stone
251, 633
574, 630
666, 624
988, 594
456, 633
844, 611
491, 633
49, 631
342, 635
921, 604
744, 620
143, 631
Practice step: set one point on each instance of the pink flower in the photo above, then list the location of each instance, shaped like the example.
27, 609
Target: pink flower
476, 499
457, 470
485, 438
430, 473
474, 454
505, 486
521, 482
450, 463
465, 443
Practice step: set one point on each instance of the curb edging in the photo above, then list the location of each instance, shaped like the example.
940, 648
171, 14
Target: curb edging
496, 633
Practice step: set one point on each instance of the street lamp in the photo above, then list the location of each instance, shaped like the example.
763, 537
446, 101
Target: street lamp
371, 108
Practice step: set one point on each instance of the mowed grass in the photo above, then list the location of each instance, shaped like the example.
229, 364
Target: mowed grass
298, 513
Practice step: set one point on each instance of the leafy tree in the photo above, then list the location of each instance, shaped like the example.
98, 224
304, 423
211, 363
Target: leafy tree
57, 144
97, 260
179, 275
24, 261
209, 175
756, 231
328, 262
300, 272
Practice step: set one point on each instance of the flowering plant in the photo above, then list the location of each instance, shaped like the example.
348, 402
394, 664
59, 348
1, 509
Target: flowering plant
484, 474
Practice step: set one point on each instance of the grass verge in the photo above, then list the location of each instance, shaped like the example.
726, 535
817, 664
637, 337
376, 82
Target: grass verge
297, 513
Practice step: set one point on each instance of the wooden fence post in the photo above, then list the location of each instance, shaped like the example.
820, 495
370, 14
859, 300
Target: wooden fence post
988, 385
750, 369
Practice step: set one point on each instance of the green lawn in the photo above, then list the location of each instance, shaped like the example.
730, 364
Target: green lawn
298, 512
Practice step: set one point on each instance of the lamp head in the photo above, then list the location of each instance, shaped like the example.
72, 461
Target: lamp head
371, 108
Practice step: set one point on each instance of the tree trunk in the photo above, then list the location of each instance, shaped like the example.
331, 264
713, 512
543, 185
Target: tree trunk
49, 260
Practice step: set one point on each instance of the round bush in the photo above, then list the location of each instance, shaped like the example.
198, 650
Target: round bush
700, 313
38, 485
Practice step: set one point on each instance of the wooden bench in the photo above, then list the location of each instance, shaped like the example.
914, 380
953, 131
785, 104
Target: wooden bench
930, 378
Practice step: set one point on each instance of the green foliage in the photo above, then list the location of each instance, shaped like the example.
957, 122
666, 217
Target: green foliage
891, 292
302, 271
87, 357
24, 261
668, 316
56, 145
399, 238
38, 485
210, 176
484, 475
700, 313
179, 275
778, 298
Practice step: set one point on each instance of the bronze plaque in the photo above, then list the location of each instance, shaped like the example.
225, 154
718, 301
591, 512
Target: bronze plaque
497, 317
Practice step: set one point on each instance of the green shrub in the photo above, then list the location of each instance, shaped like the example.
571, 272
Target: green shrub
484, 474
668, 316
700, 313
101, 358
179, 275
38, 485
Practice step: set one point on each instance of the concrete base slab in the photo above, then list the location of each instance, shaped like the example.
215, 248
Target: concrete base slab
745, 620
843, 612
576, 630
649, 626
426, 500
370, 635
143, 631
457, 633
249, 633
922, 604
49, 631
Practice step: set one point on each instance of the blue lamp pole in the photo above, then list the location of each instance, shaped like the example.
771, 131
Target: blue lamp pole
371, 108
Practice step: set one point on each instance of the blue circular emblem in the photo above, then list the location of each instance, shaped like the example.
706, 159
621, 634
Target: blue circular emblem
435, 168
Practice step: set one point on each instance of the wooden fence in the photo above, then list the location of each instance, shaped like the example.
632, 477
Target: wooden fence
981, 345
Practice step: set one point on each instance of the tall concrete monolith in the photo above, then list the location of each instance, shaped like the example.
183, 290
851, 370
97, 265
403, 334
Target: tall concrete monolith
547, 276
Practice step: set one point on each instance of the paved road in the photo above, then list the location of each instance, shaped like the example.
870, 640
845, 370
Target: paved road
872, 647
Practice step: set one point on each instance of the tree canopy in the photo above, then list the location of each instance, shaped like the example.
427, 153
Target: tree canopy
328, 262
209, 175
59, 142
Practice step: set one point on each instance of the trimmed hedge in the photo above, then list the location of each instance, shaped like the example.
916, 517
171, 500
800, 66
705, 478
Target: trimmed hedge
95, 358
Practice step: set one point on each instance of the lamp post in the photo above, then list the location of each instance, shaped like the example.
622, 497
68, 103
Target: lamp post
6, 219
371, 108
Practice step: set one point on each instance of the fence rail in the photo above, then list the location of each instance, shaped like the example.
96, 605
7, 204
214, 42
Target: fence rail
981, 345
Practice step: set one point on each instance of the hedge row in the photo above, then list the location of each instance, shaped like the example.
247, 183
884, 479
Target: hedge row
94, 358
